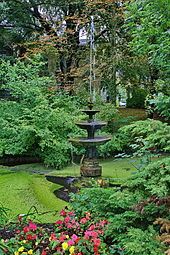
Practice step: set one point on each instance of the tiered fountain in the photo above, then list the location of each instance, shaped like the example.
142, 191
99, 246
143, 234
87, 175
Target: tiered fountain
90, 166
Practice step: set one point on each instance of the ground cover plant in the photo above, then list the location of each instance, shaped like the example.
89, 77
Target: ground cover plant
21, 191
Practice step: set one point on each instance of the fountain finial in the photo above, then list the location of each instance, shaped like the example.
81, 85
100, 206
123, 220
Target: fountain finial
90, 105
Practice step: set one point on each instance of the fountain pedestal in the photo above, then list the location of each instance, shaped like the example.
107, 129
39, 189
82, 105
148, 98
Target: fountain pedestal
90, 168
90, 165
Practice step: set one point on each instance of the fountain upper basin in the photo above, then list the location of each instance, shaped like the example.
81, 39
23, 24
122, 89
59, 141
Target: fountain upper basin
90, 112
97, 140
91, 125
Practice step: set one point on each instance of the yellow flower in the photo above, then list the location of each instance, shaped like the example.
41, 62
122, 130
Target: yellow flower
67, 236
24, 241
21, 249
71, 250
65, 246
30, 252
16, 253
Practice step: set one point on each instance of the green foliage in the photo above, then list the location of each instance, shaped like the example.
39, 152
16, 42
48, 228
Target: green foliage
3, 215
154, 179
148, 23
118, 143
138, 99
148, 136
38, 123
161, 104
138, 242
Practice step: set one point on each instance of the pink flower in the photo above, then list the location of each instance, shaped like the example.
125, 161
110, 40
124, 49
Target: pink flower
92, 227
102, 223
73, 221
74, 237
88, 233
69, 226
94, 234
83, 220
67, 219
71, 213
62, 212
70, 242
59, 222
32, 226
96, 241
86, 237
62, 238
88, 217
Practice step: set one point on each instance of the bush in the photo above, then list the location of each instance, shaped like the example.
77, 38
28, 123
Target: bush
137, 100
148, 136
154, 179
39, 122
161, 104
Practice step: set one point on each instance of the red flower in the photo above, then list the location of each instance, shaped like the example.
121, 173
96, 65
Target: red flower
31, 237
26, 230
44, 253
96, 241
19, 218
95, 250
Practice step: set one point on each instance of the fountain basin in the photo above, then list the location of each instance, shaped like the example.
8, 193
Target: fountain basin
97, 140
90, 113
91, 125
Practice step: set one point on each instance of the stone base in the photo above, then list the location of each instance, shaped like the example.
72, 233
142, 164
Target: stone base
90, 168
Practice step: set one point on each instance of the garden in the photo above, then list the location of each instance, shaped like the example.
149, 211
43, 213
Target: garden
84, 128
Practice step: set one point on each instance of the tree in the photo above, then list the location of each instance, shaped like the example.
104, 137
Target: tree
148, 22
55, 27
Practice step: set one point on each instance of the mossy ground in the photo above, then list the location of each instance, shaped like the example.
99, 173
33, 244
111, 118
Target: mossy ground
25, 186
20, 191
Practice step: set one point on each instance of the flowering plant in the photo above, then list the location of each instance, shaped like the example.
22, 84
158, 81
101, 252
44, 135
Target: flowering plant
70, 236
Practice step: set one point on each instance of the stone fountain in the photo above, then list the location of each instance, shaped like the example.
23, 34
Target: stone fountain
90, 166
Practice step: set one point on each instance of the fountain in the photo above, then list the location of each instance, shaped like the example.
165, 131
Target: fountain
90, 166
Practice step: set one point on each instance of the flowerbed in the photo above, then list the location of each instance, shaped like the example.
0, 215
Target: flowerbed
70, 236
